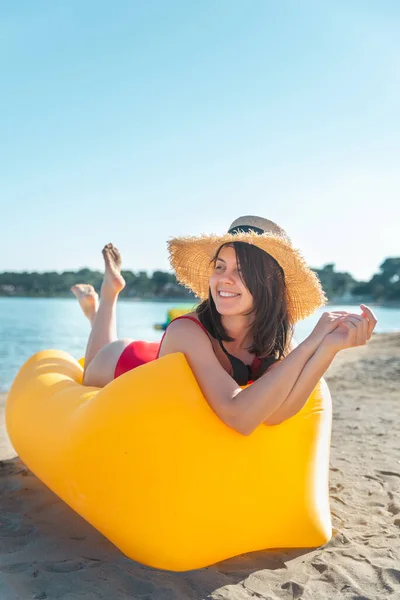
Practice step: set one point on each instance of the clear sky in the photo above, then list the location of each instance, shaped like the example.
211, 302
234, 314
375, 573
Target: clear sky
134, 121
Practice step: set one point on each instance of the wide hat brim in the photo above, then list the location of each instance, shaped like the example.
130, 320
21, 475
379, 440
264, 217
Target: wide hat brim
190, 259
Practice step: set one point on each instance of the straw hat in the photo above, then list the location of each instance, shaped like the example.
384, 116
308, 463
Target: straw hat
190, 259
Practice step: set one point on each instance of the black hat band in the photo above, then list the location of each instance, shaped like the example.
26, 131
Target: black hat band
246, 229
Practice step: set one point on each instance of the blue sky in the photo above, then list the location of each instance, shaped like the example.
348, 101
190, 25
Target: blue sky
134, 121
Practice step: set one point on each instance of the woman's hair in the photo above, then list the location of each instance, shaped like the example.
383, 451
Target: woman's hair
271, 328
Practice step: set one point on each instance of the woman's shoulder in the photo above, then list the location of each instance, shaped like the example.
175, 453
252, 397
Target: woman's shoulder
191, 317
188, 322
185, 334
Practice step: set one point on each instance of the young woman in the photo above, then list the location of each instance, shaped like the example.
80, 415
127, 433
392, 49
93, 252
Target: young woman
254, 287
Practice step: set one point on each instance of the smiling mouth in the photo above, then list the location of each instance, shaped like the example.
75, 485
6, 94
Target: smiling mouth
223, 294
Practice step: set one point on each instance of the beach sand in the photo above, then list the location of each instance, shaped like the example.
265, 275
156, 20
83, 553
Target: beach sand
48, 551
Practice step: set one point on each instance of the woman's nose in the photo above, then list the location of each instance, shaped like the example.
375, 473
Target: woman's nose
228, 277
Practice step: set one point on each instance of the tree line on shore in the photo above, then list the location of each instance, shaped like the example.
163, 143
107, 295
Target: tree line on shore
383, 287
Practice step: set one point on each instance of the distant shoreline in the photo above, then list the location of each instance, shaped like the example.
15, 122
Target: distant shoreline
194, 301
121, 298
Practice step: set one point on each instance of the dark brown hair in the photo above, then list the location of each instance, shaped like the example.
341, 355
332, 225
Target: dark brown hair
272, 328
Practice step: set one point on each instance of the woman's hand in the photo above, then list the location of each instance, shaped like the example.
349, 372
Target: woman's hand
327, 323
351, 331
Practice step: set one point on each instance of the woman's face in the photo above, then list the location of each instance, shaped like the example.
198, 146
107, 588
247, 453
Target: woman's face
228, 291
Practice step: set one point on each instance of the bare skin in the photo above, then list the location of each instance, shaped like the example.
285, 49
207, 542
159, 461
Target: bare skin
103, 348
113, 281
88, 299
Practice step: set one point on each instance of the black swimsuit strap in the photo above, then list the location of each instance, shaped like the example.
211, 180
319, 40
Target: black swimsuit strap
242, 373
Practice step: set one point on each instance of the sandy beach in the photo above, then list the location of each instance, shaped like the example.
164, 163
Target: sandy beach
48, 552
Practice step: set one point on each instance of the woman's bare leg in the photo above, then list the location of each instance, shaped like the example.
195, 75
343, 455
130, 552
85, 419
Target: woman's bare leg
103, 348
103, 320
102, 367
101, 370
88, 299
104, 327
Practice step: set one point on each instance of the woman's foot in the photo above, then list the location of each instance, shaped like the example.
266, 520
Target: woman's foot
113, 281
88, 299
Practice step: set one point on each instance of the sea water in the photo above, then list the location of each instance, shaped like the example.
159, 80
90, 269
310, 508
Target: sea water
28, 325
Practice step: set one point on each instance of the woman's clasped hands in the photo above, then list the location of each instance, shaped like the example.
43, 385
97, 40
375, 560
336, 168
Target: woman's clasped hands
340, 329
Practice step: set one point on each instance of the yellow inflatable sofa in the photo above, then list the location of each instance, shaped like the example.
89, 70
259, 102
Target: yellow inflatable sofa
148, 463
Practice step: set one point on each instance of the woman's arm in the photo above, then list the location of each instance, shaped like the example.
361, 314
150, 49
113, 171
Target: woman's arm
354, 330
304, 386
243, 410
268, 394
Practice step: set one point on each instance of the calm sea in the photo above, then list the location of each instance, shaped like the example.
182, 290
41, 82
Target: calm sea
28, 325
